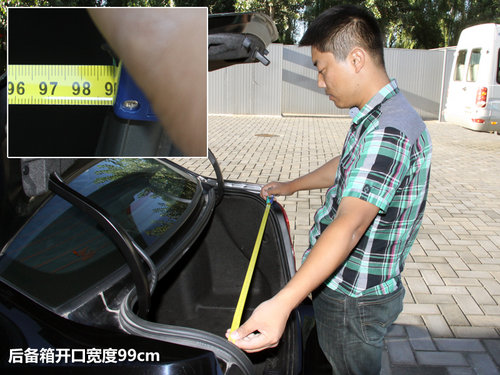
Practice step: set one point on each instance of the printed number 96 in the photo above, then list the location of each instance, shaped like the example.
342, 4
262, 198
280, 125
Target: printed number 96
18, 89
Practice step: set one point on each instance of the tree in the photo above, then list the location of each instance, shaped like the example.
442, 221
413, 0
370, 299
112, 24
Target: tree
214, 6
420, 23
457, 15
285, 13
405, 23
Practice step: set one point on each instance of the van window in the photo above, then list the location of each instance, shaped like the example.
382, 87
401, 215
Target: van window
460, 65
498, 69
473, 70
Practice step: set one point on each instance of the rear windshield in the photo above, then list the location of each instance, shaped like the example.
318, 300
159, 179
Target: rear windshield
60, 253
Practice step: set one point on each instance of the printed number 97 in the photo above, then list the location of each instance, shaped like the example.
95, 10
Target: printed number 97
44, 88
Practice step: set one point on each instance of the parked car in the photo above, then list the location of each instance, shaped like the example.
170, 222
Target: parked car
474, 89
144, 259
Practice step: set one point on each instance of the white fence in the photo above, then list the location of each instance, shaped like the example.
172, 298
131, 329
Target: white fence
288, 86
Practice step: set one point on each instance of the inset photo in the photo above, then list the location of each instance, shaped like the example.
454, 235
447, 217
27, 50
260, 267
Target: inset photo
99, 82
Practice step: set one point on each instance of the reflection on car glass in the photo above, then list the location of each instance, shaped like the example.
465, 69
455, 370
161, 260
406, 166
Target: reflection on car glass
61, 247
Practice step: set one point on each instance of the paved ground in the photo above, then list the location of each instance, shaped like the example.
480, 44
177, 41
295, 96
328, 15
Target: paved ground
451, 320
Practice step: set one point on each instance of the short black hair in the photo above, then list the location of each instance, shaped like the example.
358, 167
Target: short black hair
341, 28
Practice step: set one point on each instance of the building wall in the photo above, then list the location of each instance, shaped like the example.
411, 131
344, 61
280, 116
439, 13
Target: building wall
419, 76
288, 86
247, 88
301, 94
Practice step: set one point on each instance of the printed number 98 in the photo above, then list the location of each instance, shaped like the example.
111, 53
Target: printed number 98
84, 89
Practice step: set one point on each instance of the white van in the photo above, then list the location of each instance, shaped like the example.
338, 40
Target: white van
474, 89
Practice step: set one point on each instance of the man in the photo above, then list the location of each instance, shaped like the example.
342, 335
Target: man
372, 211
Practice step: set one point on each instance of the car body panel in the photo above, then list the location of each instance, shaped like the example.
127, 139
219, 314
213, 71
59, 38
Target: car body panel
109, 303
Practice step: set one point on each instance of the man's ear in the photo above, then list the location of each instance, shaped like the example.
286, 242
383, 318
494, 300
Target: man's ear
357, 58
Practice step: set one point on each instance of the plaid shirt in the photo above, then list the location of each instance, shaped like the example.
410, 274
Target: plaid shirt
385, 161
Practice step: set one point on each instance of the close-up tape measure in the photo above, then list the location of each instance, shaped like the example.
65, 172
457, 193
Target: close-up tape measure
62, 84
79, 85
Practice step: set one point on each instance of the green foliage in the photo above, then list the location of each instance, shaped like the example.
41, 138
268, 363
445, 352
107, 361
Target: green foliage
285, 13
420, 23
137, 3
214, 6
406, 23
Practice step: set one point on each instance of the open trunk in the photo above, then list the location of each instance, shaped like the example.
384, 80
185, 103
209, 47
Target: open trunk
202, 290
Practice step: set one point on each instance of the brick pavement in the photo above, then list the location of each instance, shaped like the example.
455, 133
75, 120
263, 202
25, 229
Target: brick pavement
451, 318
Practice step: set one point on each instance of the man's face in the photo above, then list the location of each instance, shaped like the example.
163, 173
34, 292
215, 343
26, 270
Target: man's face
336, 77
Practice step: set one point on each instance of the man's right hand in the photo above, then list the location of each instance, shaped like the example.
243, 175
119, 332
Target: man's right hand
276, 188
323, 177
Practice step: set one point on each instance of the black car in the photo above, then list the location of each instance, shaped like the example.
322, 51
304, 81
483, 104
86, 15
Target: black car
145, 259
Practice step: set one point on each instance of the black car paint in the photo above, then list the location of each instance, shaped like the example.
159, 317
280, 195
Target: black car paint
25, 324
93, 309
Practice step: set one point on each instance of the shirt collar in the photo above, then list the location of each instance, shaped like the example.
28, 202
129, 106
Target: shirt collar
384, 93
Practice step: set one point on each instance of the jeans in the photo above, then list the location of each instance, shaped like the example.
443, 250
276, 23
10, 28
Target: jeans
351, 330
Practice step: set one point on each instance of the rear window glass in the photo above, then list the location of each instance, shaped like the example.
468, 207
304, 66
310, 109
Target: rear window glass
473, 69
460, 65
61, 253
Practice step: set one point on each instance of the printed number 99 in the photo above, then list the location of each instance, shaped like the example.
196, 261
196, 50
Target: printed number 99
109, 88
127, 355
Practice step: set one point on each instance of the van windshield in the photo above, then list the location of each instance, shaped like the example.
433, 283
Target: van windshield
498, 68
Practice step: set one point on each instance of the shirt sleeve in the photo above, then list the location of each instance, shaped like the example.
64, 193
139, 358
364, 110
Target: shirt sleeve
379, 168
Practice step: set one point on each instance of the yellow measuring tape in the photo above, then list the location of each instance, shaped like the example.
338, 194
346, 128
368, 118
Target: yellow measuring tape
251, 266
62, 84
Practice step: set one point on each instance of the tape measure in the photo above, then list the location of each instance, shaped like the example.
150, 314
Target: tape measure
62, 84
251, 266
